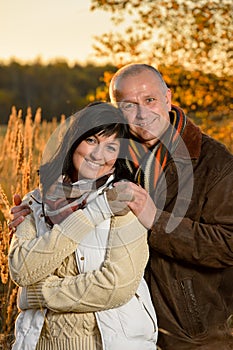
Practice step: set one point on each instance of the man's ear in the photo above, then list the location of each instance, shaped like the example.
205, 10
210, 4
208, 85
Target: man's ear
169, 99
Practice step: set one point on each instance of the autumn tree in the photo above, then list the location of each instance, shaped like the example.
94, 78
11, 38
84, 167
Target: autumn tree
195, 34
189, 41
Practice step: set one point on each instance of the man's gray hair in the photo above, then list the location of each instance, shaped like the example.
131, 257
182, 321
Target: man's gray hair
132, 69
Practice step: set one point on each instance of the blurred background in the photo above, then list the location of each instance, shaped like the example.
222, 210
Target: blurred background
56, 56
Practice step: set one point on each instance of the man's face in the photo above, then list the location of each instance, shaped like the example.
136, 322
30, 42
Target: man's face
145, 104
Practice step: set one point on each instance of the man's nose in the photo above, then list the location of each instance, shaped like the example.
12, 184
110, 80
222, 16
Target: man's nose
141, 112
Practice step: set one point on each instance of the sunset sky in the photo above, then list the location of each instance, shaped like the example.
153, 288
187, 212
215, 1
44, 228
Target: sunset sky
49, 29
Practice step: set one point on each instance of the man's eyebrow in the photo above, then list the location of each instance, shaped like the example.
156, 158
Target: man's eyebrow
150, 95
128, 101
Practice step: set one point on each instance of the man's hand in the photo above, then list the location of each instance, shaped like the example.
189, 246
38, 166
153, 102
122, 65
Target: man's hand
118, 200
18, 213
127, 195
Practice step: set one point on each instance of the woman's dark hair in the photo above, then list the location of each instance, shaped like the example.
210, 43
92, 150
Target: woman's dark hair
96, 118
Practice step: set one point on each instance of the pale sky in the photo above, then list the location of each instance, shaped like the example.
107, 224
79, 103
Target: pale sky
49, 29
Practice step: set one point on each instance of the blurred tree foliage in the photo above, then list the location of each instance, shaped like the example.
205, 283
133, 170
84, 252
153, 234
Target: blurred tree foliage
60, 89
189, 41
195, 34
57, 88
204, 97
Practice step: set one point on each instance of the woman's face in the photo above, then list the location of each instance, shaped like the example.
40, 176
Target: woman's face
95, 156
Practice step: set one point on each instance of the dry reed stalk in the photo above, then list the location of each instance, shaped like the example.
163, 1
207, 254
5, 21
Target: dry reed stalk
4, 204
36, 129
8, 140
28, 131
9, 313
26, 174
4, 247
17, 130
11, 309
21, 153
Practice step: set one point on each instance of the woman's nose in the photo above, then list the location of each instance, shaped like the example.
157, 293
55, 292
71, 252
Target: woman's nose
97, 152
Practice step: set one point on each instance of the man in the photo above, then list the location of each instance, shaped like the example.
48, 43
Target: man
190, 178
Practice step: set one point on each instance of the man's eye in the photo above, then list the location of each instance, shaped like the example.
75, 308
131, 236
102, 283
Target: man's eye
112, 148
151, 99
128, 106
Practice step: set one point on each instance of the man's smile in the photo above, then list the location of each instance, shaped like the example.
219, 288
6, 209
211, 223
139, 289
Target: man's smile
147, 123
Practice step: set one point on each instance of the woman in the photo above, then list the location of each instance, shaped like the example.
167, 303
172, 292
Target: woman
81, 267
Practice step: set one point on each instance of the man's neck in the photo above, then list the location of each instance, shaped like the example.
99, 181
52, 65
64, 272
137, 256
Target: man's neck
148, 144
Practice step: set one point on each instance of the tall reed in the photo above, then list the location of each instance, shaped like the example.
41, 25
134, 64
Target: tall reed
21, 151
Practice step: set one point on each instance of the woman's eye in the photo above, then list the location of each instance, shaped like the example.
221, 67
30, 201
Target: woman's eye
90, 140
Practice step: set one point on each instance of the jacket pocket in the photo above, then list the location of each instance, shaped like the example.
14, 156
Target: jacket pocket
192, 315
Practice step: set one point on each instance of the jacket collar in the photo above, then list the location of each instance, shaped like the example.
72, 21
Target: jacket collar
192, 138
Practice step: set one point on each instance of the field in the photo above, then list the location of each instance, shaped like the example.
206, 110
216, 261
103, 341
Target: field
22, 143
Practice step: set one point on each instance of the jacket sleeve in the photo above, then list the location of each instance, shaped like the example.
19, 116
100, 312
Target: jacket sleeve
206, 242
111, 286
32, 258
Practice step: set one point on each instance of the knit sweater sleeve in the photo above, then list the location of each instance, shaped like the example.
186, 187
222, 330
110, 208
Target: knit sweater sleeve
111, 286
32, 257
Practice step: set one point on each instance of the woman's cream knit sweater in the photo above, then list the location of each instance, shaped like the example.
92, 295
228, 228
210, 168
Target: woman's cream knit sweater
70, 323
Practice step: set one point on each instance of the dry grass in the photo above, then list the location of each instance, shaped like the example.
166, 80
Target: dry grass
22, 144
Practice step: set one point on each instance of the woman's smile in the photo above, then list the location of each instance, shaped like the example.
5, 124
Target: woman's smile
95, 156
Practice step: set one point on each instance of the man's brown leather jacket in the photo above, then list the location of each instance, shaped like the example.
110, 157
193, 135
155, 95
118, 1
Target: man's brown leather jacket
190, 271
